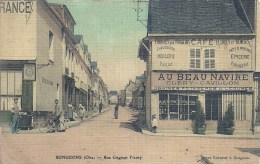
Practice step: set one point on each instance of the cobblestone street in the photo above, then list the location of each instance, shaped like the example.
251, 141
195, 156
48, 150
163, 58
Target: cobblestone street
104, 139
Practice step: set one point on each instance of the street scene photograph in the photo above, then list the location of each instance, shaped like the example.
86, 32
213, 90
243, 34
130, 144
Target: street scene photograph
129, 81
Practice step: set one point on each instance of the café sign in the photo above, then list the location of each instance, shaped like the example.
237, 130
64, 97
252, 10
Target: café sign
202, 81
229, 54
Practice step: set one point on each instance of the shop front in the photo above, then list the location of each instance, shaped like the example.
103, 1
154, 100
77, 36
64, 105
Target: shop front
174, 96
16, 81
69, 98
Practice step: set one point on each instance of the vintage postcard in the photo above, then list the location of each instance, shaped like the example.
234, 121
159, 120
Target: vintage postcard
130, 81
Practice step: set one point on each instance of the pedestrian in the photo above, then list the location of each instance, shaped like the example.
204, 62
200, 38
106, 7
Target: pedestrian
100, 107
154, 123
116, 111
58, 112
15, 115
81, 111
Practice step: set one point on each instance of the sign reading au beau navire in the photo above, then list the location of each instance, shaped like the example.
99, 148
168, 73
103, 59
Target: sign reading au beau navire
202, 81
229, 54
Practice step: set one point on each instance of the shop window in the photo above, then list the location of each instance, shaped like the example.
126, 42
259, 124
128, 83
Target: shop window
10, 87
209, 59
173, 106
238, 100
195, 58
176, 106
183, 107
163, 106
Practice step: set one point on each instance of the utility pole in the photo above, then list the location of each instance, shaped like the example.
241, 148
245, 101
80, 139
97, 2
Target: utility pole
140, 9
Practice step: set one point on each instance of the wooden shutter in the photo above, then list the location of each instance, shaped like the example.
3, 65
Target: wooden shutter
27, 96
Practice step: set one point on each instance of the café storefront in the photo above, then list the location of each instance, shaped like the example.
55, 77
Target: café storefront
215, 72
174, 95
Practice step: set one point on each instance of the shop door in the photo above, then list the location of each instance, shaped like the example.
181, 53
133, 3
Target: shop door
27, 96
213, 106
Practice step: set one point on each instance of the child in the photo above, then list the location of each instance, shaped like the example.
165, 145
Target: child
154, 123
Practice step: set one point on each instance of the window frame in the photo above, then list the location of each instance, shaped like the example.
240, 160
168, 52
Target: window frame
210, 59
184, 110
196, 59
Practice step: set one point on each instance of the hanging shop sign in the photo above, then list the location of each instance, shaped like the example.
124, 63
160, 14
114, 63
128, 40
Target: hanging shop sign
202, 81
29, 72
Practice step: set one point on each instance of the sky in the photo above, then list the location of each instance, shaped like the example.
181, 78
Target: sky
112, 33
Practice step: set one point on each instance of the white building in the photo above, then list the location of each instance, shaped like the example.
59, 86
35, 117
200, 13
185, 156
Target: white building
41, 59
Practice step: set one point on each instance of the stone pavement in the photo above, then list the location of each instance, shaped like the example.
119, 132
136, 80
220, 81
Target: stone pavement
106, 140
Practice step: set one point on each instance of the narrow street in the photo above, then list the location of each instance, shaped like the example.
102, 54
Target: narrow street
103, 139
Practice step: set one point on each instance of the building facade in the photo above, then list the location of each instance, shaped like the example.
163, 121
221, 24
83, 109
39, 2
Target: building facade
129, 88
41, 59
113, 97
200, 55
138, 94
32, 46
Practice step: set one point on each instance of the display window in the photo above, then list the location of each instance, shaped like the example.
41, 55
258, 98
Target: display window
176, 106
10, 87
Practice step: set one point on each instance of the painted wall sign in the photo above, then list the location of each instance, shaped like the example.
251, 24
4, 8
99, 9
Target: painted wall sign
202, 81
18, 7
229, 54
202, 42
21, 6
46, 81
240, 56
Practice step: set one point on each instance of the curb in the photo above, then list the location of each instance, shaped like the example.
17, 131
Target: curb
253, 137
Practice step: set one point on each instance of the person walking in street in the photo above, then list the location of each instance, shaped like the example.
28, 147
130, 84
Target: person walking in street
116, 111
154, 123
81, 111
100, 107
58, 112
15, 115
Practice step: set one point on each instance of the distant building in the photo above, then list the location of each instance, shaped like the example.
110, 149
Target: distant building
113, 97
130, 87
122, 97
138, 94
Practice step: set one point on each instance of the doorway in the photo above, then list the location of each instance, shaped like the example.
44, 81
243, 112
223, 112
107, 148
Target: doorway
213, 105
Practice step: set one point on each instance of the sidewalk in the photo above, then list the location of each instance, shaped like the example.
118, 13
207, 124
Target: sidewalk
210, 134
188, 133
70, 124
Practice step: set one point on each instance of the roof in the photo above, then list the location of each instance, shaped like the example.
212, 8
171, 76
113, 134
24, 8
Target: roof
85, 48
144, 48
93, 64
113, 93
65, 8
141, 78
197, 17
78, 38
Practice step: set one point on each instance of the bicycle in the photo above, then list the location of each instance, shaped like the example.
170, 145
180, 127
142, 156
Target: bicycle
48, 124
